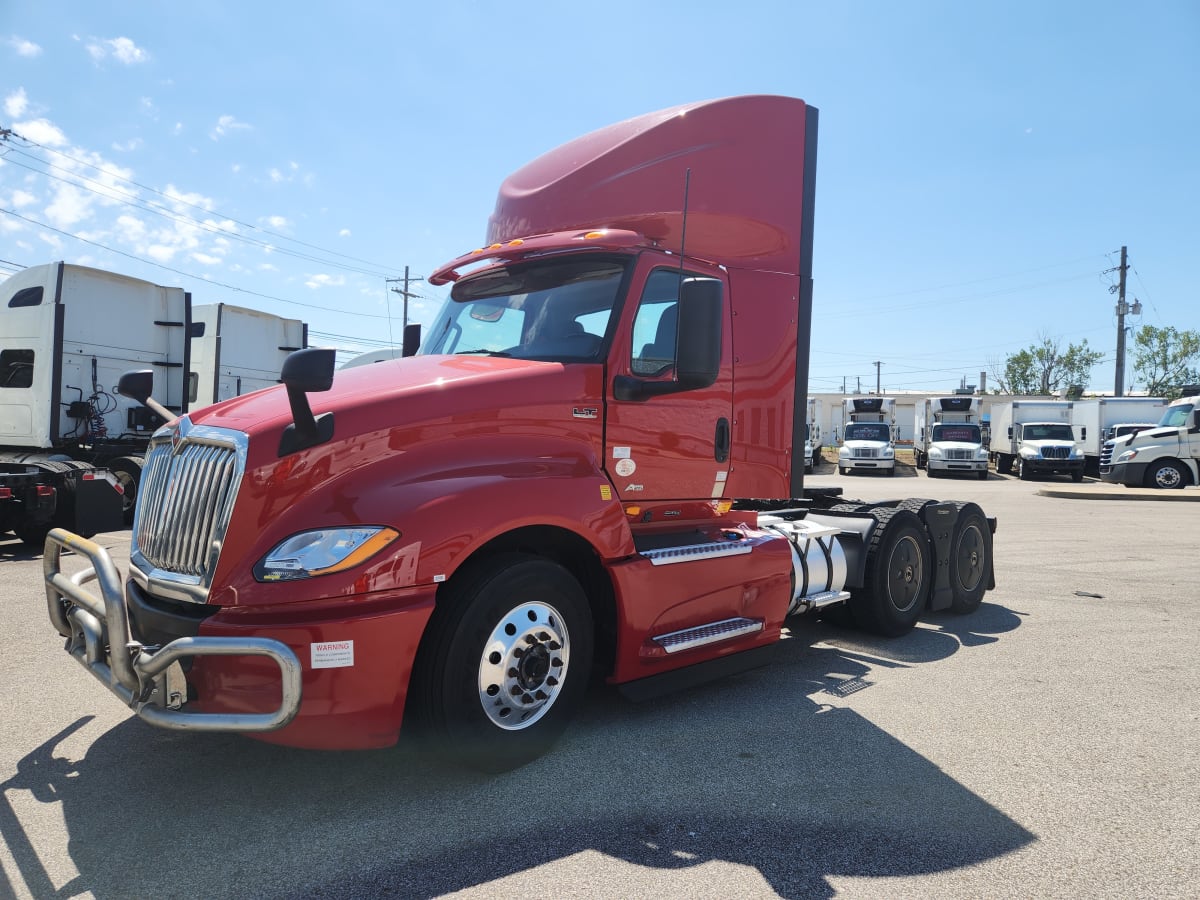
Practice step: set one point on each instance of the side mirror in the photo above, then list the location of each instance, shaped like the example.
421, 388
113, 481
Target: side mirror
412, 340
139, 385
1083, 432
304, 372
1010, 432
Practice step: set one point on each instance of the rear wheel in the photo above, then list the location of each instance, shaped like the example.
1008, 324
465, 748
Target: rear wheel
970, 558
504, 664
898, 574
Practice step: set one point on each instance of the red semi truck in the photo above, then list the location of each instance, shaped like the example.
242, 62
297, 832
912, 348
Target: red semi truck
592, 468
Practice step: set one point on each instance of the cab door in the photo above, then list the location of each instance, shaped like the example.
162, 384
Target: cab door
671, 442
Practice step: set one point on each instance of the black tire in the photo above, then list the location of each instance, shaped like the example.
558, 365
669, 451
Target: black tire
892, 471
128, 472
842, 470
898, 575
983, 475
1023, 470
514, 631
970, 559
1077, 477
33, 536
1004, 464
1167, 474
816, 459
932, 473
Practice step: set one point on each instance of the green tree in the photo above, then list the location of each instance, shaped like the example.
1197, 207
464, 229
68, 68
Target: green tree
1045, 368
1164, 359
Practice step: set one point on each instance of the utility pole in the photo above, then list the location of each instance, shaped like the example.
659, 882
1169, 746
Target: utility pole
1123, 309
404, 292
877, 388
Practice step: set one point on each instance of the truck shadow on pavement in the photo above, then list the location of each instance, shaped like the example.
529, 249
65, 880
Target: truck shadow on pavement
763, 770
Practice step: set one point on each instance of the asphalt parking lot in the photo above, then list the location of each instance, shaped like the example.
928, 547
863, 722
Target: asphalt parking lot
1045, 746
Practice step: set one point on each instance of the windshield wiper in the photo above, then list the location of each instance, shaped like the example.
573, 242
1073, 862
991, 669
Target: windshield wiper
484, 352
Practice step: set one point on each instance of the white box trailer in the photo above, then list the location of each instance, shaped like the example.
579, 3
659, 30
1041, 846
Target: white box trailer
67, 333
1037, 436
237, 350
947, 436
868, 436
813, 441
1100, 419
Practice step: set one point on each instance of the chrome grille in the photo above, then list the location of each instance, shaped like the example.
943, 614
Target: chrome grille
185, 502
864, 453
1056, 452
958, 453
1106, 455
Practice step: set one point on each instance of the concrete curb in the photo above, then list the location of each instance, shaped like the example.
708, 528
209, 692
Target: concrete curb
1102, 491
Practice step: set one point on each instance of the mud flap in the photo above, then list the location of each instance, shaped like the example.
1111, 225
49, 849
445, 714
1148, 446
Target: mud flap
98, 505
939, 520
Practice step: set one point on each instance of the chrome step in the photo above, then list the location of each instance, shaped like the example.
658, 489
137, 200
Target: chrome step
692, 552
678, 641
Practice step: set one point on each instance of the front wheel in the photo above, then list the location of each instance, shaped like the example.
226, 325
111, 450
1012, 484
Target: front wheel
505, 662
1167, 474
1023, 471
128, 472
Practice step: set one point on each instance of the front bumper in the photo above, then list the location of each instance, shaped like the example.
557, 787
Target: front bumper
852, 463
957, 465
1042, 466
240, 671
1130, 474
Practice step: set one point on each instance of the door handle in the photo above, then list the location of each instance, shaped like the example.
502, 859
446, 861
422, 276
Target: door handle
721, 440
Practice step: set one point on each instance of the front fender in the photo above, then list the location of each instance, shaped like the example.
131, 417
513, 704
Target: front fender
445, 500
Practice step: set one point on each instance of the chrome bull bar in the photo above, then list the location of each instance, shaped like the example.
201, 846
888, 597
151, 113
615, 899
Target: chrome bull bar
149, 681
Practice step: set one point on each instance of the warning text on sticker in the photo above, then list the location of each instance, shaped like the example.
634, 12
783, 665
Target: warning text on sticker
332, 654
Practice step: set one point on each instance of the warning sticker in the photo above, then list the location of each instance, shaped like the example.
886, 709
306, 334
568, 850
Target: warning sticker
626, 467
332, 654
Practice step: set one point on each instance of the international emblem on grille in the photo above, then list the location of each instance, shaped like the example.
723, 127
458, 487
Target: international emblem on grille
179, 434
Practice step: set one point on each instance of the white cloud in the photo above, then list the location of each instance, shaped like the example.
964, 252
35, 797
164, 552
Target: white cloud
16, 103
52, 239
267, 267
131, 228
277, 222
122, 49
275, 175
322, 280
345, 232
129, 146
22, 198
69, 207
226, 125
41, 131
178, 129
24, 47
205, 259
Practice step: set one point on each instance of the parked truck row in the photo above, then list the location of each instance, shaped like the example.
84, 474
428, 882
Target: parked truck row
593, 466
71, 448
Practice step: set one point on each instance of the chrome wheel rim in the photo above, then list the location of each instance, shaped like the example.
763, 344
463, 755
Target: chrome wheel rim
524, 666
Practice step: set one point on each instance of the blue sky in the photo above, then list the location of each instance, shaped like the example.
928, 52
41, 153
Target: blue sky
980, 164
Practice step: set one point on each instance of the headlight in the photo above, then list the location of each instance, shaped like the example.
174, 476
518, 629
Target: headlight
1127, 456
322, 552
889, 451
981, 453
843, 451
1029, 453
935, 452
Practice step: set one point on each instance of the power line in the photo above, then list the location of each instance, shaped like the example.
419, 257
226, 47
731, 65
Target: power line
180, 271
5, 135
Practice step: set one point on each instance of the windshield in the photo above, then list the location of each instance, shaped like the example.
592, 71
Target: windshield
868, 431
1048, 433
554, 309
966, 434
1176, 416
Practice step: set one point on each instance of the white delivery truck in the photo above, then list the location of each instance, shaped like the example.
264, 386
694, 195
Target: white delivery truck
947, 437
1165, 456
237, 350
1100, 419
868, 435
1037, 436
67, 334
812, 435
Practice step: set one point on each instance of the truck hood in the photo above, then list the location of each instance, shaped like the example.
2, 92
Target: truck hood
956, 445
1145, 438
1041, 444
399, 392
